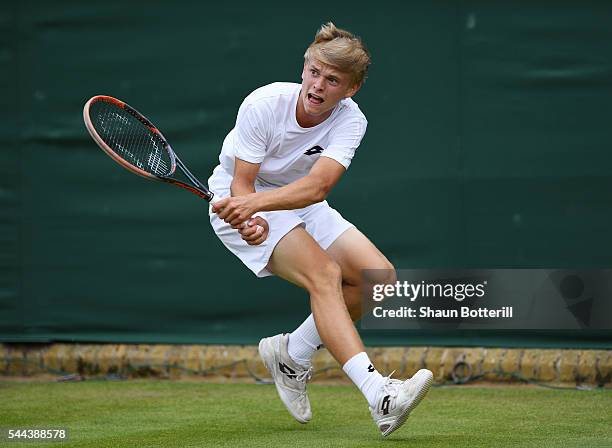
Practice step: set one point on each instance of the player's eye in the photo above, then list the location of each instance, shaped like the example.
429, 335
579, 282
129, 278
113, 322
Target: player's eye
313, 72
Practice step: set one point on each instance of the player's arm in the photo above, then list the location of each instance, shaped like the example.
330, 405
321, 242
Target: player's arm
306, 191
245, 174
243, 183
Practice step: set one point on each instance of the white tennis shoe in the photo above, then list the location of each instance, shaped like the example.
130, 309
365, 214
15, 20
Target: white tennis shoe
289, 377
398, 399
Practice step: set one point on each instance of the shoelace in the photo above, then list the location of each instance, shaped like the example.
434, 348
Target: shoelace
391, 386
304, 375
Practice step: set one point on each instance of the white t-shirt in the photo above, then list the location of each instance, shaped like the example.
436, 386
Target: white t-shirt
267, 132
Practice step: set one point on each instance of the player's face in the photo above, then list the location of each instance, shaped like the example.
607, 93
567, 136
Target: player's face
322, 88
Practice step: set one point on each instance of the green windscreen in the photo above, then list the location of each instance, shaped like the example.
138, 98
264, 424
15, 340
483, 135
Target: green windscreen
489, 145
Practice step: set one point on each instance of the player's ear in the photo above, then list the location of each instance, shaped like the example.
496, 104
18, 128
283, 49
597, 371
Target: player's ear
304, 70
353, 90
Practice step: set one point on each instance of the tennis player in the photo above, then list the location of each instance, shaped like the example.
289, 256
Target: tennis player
291, 144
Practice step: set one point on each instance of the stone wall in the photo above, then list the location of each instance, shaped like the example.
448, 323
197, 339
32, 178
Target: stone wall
551, 366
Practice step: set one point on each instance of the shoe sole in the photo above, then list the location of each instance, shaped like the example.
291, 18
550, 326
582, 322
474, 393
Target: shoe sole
260, 349
404, 416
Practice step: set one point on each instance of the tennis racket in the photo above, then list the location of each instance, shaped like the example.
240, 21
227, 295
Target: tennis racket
136, 144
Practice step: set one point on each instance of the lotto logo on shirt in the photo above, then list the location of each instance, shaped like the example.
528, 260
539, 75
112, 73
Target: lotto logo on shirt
314, 150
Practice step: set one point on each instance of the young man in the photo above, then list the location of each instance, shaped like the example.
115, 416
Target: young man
290, 146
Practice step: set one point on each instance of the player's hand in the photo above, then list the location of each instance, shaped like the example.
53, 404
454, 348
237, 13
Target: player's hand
255, 231
236, 209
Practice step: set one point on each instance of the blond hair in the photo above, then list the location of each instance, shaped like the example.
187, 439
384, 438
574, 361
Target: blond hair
340, 49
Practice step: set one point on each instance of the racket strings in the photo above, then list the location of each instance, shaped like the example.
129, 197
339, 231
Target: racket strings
131, 139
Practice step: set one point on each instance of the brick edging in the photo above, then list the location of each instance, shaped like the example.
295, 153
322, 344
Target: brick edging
593, 367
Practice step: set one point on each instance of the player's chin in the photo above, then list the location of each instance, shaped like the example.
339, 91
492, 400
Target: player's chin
316, 111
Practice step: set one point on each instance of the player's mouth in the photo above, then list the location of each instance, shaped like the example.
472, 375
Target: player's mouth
314, 99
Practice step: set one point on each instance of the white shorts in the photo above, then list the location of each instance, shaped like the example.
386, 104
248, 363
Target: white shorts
320, 220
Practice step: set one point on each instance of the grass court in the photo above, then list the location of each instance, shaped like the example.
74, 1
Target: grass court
147, 413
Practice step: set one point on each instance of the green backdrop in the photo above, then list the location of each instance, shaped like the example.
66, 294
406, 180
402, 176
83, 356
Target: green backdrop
489, 145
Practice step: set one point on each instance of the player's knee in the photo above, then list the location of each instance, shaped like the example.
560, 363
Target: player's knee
330, 272
326, 277
380, 271
377, 271
384, 270
389, 272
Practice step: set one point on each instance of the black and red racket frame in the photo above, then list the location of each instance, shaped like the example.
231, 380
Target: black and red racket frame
196, 186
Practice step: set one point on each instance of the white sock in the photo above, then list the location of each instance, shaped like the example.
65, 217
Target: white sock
304, 341
361, 372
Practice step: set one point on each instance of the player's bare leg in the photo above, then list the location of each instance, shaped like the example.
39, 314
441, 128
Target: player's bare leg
299, 259
354, 253
390, 400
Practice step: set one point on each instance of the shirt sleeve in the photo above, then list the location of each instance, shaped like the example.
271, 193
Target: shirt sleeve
251, 133
345, 139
